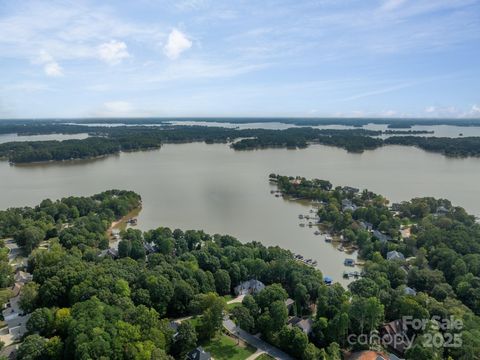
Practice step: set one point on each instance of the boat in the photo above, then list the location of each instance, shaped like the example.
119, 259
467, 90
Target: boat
340, 248
272, 191
328, 238
317, 232
349, 262
314, 262
300, 216
346, 275
302, 225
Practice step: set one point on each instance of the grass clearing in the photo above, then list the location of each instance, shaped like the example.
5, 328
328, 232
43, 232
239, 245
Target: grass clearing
224, 347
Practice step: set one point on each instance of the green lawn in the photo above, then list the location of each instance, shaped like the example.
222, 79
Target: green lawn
228, 297
232, 306
264, 357
223, 348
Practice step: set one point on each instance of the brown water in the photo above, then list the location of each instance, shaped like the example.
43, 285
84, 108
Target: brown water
211, 187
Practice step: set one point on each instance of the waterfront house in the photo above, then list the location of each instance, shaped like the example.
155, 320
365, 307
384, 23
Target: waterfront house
395, 255
348, 205
442, 210
198, 354
149, 248
396, 207
249, 287
350, 189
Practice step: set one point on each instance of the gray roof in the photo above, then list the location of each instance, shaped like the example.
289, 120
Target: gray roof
366, 225
305, 325
395, 255
198, 354
409, 291
252, 286
381, 236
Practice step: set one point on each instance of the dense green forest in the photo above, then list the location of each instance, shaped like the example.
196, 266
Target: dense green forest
110, 140
89, 305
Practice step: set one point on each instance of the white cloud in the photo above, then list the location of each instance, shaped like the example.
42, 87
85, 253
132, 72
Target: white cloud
118, 107
475, 111
177, 43
53, 69
50, 66
113, 52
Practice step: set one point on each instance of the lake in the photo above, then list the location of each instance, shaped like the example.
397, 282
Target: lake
4, 138
212, 187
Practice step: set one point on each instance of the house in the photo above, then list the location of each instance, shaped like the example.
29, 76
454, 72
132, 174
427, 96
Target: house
406, 232
348, 205
289, 304
251, 286
396, 207
409, 291
296, 181
306, 325
394, 335
381, 236
350, 189
366, 225
368, 355
111, 252
149, 248
395, 255
198, 354
442, 210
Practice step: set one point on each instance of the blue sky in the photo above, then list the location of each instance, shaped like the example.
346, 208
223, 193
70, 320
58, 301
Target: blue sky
365, 58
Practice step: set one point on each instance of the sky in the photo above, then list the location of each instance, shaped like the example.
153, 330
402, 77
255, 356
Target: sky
291, 58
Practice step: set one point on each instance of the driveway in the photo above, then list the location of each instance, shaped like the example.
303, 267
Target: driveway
14, 250
254, 341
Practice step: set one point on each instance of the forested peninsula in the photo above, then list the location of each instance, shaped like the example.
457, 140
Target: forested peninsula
112, 140
89, 299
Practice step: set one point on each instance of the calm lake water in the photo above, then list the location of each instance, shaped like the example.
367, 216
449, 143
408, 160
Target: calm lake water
211, 187
4, 138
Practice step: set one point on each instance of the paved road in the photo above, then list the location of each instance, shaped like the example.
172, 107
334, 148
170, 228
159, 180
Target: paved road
254, 341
